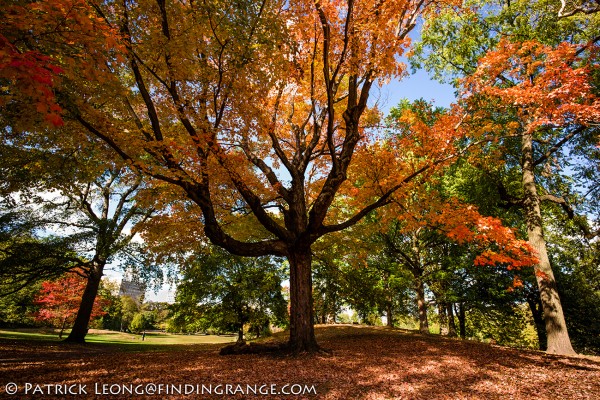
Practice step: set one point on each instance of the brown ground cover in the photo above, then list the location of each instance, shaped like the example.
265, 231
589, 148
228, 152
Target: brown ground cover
366, 363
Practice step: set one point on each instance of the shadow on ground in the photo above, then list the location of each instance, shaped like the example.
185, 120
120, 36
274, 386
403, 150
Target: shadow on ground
367, 363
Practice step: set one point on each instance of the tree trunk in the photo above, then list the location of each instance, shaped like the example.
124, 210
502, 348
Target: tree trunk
422, 305
451, 322
62, 327
556, 327
443, 319
240, 339
535, 306
389, 315
302, 333
82, 320
462, 320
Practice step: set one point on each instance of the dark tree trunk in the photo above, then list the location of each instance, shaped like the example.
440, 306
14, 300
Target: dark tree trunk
240, 323
302, 333
422, 306
62, 327
389, 315
556, 327
535, 306
451, 322
82, 320
443, 319
240, 339
462, 320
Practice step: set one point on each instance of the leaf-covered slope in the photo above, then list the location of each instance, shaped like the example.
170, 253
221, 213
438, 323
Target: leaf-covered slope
367, 363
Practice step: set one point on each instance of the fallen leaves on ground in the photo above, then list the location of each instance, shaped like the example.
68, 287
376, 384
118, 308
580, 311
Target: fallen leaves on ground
366, 363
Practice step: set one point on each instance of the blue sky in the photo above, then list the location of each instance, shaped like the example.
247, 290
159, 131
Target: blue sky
413, 87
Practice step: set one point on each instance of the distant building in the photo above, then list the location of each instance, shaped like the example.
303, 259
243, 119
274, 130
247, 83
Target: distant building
135, 290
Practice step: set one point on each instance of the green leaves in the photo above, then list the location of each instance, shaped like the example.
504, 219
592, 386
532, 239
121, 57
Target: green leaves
225, 292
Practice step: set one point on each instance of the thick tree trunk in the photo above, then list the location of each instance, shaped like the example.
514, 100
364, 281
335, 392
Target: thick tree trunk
451, 322
556, 327
82, 320
422, 306
302, 333
389, 315
535, 306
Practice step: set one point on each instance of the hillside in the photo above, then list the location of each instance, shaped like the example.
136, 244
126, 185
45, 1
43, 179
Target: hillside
366, 363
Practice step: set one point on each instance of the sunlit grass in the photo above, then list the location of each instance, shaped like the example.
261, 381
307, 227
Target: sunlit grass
152, 340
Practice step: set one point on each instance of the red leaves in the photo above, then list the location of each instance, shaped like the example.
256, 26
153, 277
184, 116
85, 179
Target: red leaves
59, 300
31, 75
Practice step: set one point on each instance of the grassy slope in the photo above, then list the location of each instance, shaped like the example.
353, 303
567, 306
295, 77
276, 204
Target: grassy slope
367, 363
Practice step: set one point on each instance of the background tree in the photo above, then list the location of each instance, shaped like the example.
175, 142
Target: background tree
92, 209
327, 300
139, 323
228, 292
129, 308
541, 76
59, 301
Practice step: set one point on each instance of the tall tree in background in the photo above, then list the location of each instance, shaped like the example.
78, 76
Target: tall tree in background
86, 210
108, 214
548, 90
534, 88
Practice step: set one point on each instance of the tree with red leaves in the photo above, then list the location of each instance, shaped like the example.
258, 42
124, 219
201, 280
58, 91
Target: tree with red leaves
59, 301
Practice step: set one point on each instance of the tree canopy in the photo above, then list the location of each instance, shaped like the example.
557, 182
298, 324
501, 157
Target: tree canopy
251, 124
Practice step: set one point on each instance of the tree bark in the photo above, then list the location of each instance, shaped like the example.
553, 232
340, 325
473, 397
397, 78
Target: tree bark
451, 322
554, 319
389, 315
443, 319
535, 306
462, 320
82, 320
302, 333
62, 327
240, 339
422, 305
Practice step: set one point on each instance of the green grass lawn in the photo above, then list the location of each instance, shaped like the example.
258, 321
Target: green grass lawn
152, 341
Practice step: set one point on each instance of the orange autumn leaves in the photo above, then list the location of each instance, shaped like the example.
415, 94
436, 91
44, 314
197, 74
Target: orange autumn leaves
462, 223
544, 86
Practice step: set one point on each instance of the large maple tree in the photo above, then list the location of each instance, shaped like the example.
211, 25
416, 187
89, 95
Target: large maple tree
249, 108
